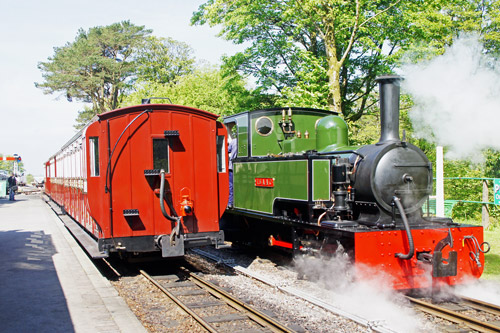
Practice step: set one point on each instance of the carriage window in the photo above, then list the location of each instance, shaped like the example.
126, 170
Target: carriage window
221, 154
94, 156
160, 154
264, 126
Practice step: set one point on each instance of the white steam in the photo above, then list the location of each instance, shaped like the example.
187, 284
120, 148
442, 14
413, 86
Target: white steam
371, 298
488, 291
457, 99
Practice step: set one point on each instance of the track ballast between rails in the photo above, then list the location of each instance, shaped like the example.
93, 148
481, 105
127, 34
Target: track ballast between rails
196, 285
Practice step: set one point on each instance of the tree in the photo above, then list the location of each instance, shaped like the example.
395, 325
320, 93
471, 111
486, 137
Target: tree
164, 60
347, 44
84, 117
98, 67
205, 88
290, 37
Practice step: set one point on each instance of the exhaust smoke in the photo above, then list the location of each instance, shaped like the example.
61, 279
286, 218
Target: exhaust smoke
457, 99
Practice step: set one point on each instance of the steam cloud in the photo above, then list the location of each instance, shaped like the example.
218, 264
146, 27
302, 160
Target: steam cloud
371, 298
457, 99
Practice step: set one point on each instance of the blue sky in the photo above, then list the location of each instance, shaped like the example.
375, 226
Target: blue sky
35, 125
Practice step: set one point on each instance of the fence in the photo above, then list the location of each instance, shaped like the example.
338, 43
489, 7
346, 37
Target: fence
448, 204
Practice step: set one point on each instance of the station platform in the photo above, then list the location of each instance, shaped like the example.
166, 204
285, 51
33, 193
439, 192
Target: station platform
47, 282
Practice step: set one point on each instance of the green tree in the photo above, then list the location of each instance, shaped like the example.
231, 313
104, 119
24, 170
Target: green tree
9, 165
98, 67
29, 179
341, 40
311, 51
206, 89
164, 60
84, 117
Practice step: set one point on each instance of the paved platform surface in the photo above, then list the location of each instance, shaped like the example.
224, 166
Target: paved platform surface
47, 282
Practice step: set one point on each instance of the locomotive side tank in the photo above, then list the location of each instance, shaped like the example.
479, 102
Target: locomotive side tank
145, 178
299, 185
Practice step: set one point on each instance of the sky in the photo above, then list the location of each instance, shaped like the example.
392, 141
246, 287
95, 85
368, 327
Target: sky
35, 125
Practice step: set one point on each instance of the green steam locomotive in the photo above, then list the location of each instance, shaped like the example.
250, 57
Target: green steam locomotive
299, 185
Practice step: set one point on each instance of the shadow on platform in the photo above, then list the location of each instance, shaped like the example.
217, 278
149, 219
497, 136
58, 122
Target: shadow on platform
6, 201
31, 297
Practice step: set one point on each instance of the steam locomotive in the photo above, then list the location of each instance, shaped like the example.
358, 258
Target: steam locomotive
299, 185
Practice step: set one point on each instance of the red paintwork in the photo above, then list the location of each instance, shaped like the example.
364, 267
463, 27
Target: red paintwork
276, 242
264, 182
193, 176
10, 158
376, 250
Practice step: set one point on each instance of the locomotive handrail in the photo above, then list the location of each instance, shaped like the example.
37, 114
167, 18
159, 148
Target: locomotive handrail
342, 152
411, 251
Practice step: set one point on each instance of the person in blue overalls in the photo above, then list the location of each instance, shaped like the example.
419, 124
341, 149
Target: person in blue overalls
232, 149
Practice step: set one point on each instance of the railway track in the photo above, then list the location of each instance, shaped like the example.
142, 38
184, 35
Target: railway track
212, 307
375, 326
460, 313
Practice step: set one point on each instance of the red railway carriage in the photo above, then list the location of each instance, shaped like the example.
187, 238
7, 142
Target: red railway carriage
144, 178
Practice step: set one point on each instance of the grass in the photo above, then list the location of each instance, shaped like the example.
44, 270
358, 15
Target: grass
492, 258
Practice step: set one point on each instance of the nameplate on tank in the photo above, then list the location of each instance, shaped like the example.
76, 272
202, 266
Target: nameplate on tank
264, 182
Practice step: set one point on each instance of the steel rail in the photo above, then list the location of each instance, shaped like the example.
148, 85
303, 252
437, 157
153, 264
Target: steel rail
481, 305
254, 314
181, 304
453, 316
373, 325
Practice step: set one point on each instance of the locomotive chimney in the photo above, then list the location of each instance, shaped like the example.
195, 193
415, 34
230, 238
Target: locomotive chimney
389, 107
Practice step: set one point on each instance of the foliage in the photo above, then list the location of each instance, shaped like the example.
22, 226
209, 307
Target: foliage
365, 131
84, 117
98, 67
164, 60
328, 53
9, 165
206, 89
30, 178
463, 189
103, 65
492, 164
311, 88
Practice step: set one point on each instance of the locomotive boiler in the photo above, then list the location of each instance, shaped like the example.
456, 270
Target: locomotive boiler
299, 185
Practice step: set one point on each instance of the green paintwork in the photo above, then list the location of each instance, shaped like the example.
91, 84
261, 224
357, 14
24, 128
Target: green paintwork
242, 122
304, 121
321, 180
326, 132
331, 133
308, 129
290, 181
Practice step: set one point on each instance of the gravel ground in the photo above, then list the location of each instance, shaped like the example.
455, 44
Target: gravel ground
155, 310
327, 280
